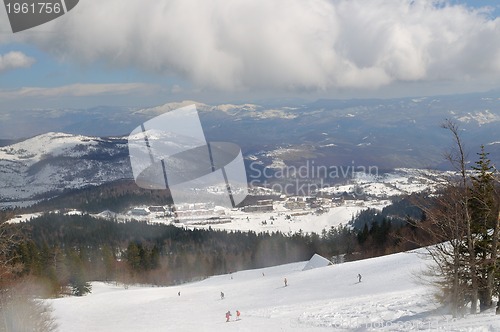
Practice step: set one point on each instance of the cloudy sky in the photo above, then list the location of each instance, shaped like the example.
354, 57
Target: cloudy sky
148, 52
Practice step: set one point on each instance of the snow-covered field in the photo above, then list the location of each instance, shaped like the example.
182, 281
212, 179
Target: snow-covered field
389, 298
306, 220
281, 219
402, 181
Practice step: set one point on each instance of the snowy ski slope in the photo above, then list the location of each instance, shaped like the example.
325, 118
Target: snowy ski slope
389, 298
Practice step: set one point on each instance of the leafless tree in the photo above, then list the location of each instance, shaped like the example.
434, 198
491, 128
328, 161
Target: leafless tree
448, 226
10, 237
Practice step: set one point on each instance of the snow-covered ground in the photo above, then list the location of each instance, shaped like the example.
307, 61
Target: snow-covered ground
389, 298
26, 217
401, 181
285, 220
280, 219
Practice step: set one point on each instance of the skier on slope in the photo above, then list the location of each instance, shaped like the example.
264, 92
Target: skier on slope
221, 295
228, 315
238, 315
359, 277
286, 282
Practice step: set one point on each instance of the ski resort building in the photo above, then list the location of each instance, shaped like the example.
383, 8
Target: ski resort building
316, 261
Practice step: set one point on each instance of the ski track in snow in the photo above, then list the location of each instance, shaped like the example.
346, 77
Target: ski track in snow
389, 298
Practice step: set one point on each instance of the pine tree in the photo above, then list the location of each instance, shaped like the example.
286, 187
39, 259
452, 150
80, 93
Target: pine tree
79, 286
484, 224
363, 235
133, 256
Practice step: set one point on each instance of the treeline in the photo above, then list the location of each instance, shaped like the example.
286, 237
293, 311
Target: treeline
69, 250
115, 196
397, 212
66, 251
390, 230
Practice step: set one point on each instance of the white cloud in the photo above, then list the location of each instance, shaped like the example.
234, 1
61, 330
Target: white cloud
79, 90
281, 44
13, 60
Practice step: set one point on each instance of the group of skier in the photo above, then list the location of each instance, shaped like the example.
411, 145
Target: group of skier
228, 315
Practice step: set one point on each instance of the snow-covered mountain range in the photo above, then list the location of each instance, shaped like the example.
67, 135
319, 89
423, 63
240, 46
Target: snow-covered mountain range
48, 164
77, 148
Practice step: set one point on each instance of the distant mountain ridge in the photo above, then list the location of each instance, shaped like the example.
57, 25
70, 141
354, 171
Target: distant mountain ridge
45, 165
474, 109
387, 134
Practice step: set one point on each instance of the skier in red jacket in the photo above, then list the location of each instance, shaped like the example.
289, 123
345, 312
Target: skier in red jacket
228, 315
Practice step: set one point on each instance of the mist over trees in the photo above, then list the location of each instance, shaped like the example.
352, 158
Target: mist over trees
19, 310
70, 250
65, 252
